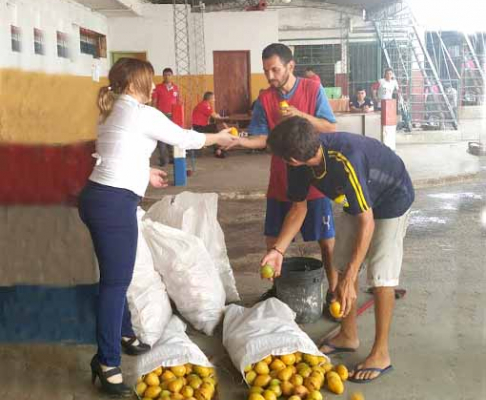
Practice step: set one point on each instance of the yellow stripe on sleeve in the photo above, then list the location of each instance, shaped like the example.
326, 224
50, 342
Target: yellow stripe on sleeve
352, 178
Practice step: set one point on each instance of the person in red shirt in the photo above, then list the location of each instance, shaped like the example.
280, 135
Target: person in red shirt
164, 96
201, 120
166, 93
310, 74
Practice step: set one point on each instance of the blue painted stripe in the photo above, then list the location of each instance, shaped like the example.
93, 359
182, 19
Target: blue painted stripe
48, 314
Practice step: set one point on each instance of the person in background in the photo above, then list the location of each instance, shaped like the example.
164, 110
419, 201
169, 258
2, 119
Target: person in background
128, 131
201, 116
388, 86
310, 74
165, 95
360, 102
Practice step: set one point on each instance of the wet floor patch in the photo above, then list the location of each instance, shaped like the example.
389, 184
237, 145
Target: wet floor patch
425, 223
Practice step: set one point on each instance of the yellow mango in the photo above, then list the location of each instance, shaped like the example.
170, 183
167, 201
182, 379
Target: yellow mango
261, 368
262, 380
335, 385
342, 371
288, 359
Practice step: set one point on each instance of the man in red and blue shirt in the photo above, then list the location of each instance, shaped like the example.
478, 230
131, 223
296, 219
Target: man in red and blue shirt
165, 95
305, 98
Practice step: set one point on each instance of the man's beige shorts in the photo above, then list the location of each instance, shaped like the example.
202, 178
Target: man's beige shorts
384, 257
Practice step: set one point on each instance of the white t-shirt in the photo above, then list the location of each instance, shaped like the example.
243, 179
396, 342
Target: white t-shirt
127, 139
386, 89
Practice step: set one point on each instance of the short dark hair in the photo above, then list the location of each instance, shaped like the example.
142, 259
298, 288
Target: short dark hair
280, 50
361, 89
309, 69
207, 95
294, 137
167, 70
387, 69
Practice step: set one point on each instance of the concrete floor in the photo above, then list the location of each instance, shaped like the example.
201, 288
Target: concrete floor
438, 340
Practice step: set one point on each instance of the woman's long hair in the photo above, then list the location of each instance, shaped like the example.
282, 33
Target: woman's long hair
126, 75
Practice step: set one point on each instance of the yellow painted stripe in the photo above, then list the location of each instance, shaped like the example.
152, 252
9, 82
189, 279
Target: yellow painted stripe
353, 184
350, 169
353, 179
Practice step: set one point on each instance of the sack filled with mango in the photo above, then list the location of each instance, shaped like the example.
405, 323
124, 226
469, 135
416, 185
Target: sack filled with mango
295, 376
175, 368
178, 382
275, 356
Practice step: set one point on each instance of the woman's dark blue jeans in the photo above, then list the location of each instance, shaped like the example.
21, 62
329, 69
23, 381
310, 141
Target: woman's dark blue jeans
111, 216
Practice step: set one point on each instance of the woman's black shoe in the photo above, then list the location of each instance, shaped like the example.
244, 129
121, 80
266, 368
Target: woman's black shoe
113, 389
132, 349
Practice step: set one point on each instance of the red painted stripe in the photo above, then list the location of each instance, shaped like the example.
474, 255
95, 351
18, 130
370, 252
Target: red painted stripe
44, 174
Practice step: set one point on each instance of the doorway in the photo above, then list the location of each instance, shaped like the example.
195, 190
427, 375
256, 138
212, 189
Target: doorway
232, 81
116, 55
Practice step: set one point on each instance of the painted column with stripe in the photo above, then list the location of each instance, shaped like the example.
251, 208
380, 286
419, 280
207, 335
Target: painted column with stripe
180, 165
389, 123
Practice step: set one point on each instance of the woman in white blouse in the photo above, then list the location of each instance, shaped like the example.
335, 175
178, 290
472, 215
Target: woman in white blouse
128, 132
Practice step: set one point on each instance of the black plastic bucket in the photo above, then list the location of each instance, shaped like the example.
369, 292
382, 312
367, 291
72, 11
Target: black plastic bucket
300, 287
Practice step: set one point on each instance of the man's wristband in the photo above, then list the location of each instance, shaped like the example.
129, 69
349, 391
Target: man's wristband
277, 250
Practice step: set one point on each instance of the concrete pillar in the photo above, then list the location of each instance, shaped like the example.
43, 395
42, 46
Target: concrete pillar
389, 123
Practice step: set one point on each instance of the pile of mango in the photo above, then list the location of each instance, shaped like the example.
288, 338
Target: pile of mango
179, 382
294, 376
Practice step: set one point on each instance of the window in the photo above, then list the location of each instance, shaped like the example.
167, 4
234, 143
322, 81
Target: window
321, 58
92, 43
39, 42
62, 45
16, 38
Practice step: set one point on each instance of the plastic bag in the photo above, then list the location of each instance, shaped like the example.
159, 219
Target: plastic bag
147, 296
197, 214
192, 281
268, 328
173, 348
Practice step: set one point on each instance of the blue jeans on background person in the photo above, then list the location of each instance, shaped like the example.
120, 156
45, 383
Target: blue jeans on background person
111, 217
165, 152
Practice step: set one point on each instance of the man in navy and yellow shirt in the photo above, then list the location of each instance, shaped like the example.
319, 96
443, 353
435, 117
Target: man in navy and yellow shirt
373, 185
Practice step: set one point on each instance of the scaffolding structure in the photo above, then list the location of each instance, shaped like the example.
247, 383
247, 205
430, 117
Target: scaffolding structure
190, 52
460, 58
423, 98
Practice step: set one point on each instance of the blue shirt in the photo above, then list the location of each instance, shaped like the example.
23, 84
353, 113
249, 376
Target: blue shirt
259, 123
361, 174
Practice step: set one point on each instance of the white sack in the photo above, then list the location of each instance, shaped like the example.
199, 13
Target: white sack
173, 348
268, 328
147, 296
197, 214
192, 281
